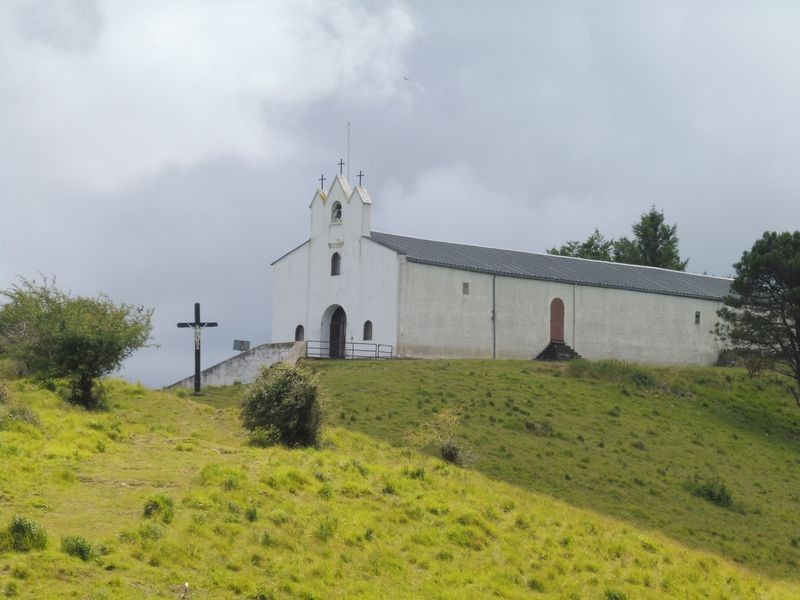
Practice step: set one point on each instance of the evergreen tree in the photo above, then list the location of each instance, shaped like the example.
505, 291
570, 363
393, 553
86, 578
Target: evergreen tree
761, 316
654, 244
596, 246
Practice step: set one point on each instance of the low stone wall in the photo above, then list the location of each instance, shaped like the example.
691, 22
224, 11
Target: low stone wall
244, 367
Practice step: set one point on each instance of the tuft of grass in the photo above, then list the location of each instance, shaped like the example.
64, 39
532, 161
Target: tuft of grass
712, 489
77, 546
160, 505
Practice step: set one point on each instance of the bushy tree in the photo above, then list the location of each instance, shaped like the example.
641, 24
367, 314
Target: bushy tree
596, 247
761, 315
52, 334
654, 244
282, 406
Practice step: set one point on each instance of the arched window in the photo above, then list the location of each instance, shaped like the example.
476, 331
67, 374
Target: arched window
367, 331
336, 212
336, 264
299, 333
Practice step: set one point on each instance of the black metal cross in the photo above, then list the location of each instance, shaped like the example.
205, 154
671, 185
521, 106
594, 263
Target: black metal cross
322, 182
360, 175
341, 164
197, 325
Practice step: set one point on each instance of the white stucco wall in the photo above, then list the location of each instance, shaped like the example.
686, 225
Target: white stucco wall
244, 367
647, 328
304, 290
438, 320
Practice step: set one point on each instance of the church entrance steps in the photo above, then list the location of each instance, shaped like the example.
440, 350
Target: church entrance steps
349, 350
557, 351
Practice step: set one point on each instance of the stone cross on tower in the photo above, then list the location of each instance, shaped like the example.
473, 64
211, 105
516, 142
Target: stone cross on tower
198, 326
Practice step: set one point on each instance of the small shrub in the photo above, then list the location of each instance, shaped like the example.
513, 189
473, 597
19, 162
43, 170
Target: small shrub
4, 395
612, 594
75, 545
162, 505
265, 539
611, 370
251, 514
535, 585
543, 429
639, 445
452, 453
23, 414
714, 490
24, 535
284, 398
326, 529
148, 531
416, 473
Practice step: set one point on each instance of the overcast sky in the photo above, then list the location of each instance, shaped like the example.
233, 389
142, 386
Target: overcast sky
165, 152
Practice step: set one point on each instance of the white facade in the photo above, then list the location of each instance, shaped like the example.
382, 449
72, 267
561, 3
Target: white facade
428, 310
306, 293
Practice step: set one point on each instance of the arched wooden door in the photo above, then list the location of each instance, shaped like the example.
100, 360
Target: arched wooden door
338, 332
557, 320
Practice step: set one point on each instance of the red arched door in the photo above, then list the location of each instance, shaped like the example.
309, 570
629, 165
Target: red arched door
557, 320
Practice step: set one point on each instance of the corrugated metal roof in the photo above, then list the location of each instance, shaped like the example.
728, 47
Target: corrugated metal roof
556, 268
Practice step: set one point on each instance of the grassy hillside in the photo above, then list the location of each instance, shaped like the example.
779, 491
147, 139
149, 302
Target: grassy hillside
360, 518
625, 441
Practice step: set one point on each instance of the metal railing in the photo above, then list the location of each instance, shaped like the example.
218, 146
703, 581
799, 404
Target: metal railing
349, 350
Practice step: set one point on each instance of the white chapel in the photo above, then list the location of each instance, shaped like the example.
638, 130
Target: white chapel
350, 292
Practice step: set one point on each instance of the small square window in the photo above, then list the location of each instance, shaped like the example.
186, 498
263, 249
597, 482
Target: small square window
697, 317
465, 288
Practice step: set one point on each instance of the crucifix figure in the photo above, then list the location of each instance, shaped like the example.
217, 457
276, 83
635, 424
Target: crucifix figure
198, 326
360, 175
341, 163
322, 182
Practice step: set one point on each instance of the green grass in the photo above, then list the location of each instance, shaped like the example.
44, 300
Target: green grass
365, 517
621, 440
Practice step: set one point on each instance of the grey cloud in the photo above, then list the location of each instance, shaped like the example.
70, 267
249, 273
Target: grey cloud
521, 126
72, 25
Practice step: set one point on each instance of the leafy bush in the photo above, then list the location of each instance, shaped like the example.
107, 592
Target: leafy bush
75, 545
452, 454
283, 401
23, 535
714, 490
160, 504
4, 395
53, 334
